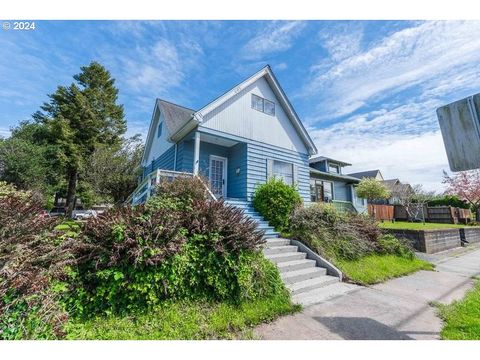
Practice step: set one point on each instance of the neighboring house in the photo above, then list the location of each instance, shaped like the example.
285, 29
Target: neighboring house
393, 185
329, 184
369, 174
239, 140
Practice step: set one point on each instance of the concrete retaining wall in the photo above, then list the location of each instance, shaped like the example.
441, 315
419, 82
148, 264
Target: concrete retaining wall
470, 235
432, 241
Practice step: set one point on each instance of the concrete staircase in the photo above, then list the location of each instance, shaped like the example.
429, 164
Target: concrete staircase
250, 212
308, 282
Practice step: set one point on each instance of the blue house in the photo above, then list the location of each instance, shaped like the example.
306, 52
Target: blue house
328, 183
239, 140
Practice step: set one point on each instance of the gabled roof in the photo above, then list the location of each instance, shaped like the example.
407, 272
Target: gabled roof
181, 120
395, 184
366, 174
175, 116
276, 88
323, 158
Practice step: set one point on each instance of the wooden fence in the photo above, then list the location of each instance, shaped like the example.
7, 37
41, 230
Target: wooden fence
381, 212
437, 214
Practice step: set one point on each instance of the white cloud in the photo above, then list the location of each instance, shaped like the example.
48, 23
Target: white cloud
276, 37
412, 56
158, 67
398, 142
400, 80
342, 41
4, 132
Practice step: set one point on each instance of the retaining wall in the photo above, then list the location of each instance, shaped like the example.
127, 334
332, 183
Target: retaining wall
433, 241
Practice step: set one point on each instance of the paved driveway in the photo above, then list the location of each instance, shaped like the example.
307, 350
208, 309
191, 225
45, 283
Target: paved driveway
396, 310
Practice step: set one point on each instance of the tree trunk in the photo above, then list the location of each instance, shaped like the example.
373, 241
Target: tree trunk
72, 190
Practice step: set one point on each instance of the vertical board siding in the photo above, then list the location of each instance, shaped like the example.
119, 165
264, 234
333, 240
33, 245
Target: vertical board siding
237, 117
257, 167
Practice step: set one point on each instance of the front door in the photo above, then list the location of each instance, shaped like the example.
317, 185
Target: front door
218, 175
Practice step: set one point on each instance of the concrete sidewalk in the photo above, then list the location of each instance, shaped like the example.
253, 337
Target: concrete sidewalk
396, 310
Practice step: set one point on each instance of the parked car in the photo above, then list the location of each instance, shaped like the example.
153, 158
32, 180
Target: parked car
84, 214
57, 211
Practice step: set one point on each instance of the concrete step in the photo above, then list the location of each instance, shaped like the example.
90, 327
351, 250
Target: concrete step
312, 284
291, 277
279, 249
294, 265
324, 293
283, 257
270, 236
276, 242
270, 233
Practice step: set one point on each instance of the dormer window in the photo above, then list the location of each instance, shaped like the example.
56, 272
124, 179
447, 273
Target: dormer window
160, 128
334, 168
263, 105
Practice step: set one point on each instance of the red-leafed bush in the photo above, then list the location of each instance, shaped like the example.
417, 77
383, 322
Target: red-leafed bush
180, 245
29, 259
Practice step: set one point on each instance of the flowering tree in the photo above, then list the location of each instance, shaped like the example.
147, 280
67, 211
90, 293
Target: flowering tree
465, 185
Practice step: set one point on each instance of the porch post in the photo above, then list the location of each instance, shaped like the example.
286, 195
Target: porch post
196, 153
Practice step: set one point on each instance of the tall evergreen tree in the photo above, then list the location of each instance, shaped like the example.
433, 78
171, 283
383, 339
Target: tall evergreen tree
79, 118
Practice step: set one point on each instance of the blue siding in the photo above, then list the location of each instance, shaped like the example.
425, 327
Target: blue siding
165, 161
237, 183
321, 165
185, 160
257, 167
342, 191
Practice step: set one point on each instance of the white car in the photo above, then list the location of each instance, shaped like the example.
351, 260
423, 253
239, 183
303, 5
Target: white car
84, 214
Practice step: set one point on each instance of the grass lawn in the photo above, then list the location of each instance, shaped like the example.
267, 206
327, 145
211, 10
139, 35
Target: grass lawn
373, 269
176, 320
69, 227
404, 225
462, 318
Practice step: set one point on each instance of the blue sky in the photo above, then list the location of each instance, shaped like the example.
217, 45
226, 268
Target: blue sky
366, 90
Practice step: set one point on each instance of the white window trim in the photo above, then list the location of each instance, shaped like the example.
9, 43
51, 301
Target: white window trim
292, 165
263, 105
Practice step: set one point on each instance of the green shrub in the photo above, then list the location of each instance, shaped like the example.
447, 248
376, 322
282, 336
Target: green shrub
276, 201
449, 200
180, 245
339, 236
389, 244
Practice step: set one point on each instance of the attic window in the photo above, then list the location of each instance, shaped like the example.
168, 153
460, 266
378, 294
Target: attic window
160, 128
263, 105
334, 168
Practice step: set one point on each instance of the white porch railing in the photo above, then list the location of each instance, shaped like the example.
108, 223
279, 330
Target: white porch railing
145, 189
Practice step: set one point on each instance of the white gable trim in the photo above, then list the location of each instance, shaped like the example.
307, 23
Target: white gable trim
272, 81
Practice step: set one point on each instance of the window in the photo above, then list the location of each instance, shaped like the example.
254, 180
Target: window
263, 105
333, 168
321, 191
269, 107
160, 128
327, 191
257, 103
284, 171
